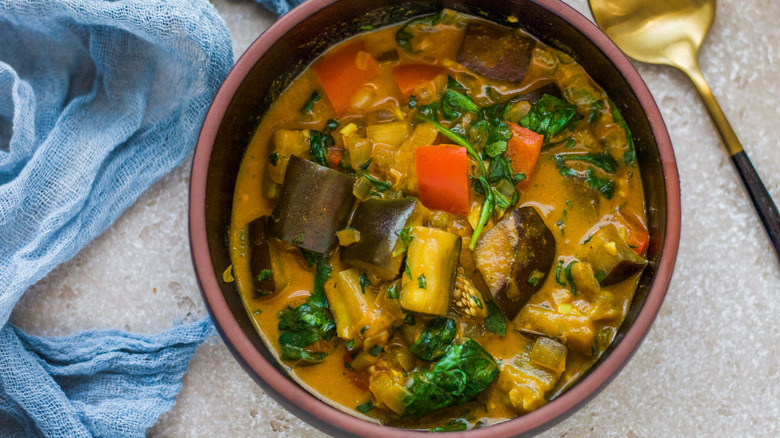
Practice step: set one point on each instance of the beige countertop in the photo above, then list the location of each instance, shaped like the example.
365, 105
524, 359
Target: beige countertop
710, 365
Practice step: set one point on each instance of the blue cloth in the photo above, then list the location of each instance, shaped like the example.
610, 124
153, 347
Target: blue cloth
98, 99
279, 7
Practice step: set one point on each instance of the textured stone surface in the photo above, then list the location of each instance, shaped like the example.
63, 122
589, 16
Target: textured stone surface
710, 366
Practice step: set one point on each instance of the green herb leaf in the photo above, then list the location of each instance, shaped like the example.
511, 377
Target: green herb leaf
550, 116
495, 321
499, 169
600, 276
265, 274
558, 272
365, 407
605, 186
535, 278
299, 238
273, 158
629, 157
332, 124
454, 104
380, 186
311, 258
405, 34
309, 105
407, 269
496, 148
422, 283
409, 319
602, 160
318, 146
376, 350
569, 277
434, 339
392, 292
412, 102
405, 234
364, 281
451, 426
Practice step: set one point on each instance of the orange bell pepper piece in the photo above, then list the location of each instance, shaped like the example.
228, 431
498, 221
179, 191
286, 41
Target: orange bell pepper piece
343, 72
523, 150
410, 77
442, 174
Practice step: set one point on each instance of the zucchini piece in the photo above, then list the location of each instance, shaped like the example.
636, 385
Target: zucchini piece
313, 205
264, 265
496, 52
352, 307
610, 256
379, 223
573, 329
514, 258
431, 267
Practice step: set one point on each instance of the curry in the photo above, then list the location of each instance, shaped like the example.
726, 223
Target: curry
439, 224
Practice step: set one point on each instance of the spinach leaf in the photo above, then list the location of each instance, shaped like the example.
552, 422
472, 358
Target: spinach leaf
302, 326
404, 35
457, 424
365, 407
454, 104
549, 116
434, 340
465, 370
603, 185
364, 281
629, 157
499, 169
309, 105
496, 321
380, 186
602, 160
319, 143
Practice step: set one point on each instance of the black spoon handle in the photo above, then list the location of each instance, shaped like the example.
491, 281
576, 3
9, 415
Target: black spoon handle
765, 206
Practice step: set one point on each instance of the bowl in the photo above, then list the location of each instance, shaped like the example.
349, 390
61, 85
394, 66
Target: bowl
283, 51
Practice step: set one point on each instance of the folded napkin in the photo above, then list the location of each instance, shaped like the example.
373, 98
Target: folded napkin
279, 7
98, 99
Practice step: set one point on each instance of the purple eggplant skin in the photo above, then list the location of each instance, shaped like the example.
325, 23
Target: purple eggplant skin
496, 52
612, 266
260, 257
379, 223
314, 203
514, 257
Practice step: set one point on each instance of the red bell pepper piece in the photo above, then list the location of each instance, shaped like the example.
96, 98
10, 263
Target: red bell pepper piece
334, 156
343, 72
442, 174
523, 150
411, 76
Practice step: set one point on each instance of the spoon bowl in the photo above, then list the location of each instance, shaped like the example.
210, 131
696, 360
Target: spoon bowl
670, 32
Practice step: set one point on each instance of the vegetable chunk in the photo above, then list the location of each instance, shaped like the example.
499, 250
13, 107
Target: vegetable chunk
496, 52
514, 258
380, 223
610, 256
431, 267
442, 174
267, 272
314, 204
342, 73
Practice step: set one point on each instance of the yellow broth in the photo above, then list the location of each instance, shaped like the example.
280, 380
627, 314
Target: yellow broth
568, 208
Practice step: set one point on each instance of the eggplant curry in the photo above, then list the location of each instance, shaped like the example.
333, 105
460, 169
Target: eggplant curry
439, 224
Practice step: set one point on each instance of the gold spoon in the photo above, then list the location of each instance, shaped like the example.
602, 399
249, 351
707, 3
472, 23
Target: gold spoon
670, 32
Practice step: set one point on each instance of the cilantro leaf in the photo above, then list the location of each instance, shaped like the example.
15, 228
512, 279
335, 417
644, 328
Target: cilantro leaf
496, 321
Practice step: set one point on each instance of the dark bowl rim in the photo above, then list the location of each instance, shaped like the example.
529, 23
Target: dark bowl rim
333, 420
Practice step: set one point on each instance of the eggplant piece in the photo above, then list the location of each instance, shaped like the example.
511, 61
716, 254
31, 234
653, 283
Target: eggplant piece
550, 88
610, 256
496, 52
261, 264
514, 258
313, 205
431, 267
379, 223
575, 330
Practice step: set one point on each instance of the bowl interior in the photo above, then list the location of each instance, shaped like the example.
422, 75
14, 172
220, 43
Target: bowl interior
284, 51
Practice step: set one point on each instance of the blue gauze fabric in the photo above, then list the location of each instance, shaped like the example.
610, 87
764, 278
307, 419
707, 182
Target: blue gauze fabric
279, 7
98, 99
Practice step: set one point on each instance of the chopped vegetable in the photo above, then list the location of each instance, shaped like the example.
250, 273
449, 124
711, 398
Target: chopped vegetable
550, 116
516, 248
637, 235
287, 143
379, 222
573, 329
434, 339
549, 354
351, 309
343, 72
467, 298
310, 218
305, 331
629, 157
523, 150
606, 251
442, 174
465, 370
264, 265
433, 254
496, 52
411, 77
